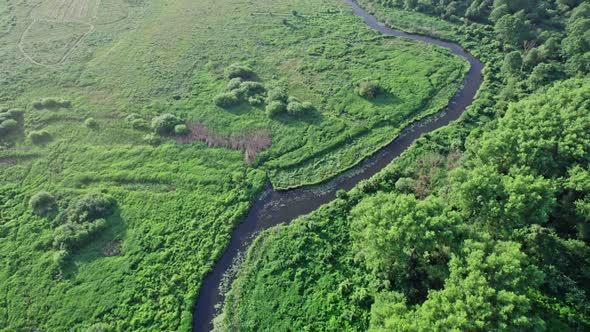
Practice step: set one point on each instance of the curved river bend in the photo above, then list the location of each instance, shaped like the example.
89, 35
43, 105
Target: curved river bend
276, 207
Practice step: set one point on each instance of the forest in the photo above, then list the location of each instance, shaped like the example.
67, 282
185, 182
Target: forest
479, 226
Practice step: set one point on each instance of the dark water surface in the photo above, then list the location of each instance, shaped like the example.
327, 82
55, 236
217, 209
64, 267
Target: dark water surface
276, 207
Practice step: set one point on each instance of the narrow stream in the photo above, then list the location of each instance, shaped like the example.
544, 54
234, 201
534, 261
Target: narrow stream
276, 207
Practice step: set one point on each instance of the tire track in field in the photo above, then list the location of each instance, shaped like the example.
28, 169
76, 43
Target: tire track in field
55, 13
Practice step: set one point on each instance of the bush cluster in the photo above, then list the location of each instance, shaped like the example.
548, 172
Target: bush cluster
9, 122
239, 90
227, 99
296, 108
279, 103
239, 71
91, 207
40, 137
275, 108
164, 124
135, 121
51, 103
73, 235
84, 219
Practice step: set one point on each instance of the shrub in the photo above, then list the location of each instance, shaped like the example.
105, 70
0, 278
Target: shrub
74, 235
40, 137
227, 99
13, 114
405, 185
164, 124
139, 124
255, 100
51, 103
42, 203
240, 71
152, 139
276, 94
8, 127
252, 88
296, 108
181, 130
91, 207
234, 83
308, 106
368, 89
131, 117
60, 259
91, 123
275, 108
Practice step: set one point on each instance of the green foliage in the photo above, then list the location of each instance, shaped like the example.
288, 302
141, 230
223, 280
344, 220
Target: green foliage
8, 127
226, 99
139, 124
164, 124
181, 130
499, 12
404, 241
543, 74
513, 64
91, 123
91, 207
275, 108
11, 121
234, 83
40, 137
74, 235
277, 94
239, 71
405, 185
513, 30
486, 290
42, 203
251, 88
52, 103
368, 89
152, 139
296, 108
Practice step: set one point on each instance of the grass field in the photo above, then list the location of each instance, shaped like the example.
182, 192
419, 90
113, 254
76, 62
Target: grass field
177, 203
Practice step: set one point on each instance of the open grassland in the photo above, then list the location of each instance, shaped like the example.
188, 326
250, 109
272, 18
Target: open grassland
176, 203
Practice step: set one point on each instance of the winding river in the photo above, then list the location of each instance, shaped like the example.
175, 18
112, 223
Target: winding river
276, 207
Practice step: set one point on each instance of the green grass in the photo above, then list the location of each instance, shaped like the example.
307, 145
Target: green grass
177, 204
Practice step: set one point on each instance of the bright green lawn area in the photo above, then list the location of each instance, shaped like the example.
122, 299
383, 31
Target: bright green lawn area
176, 204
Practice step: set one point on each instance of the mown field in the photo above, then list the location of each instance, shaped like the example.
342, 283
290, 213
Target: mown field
479, 226
106, 221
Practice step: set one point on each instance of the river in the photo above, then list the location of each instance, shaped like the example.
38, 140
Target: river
277, 207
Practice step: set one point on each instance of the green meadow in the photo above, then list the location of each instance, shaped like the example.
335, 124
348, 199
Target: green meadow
110, 212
